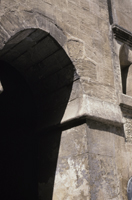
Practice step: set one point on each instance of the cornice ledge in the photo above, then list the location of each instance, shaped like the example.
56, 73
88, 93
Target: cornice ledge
122, 34
125, 101
87, 107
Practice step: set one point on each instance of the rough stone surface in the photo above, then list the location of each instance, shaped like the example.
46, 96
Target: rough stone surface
81, 37
105, 173
122, 13
72, 174
75, 56
88, 107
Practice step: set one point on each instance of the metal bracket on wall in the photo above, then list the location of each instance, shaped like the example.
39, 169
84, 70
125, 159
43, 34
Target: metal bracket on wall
122, 34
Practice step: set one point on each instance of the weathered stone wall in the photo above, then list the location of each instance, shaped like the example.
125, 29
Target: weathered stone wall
86, 27
94, 159
94, 163
121, 13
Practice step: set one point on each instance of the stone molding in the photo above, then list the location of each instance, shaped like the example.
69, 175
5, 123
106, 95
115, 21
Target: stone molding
122, 34
88, 107
125, 101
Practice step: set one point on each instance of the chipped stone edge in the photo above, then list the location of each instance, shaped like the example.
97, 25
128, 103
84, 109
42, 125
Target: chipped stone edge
88, 107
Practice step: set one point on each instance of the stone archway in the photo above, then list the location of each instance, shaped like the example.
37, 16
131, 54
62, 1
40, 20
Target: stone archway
48, 74
44, 65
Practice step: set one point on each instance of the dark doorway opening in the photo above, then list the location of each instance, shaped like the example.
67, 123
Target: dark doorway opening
18, 142
37, 78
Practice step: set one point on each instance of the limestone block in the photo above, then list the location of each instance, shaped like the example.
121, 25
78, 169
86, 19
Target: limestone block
73, 8
120, 14
50, 2
4, 37
100, 139
70, 19
62, 4
121, 155
77, 2
128, 154
85, 37
96, 56
42, 22
102, 26
10, 23
49, 25
102, 4
124, 188
107, 60
89, 18
58, 35
27, 18
84, 28
93, 89
72, 178
105, 76
45, 8
75, 49
58, 15
88, 107
70, 30
76, 90
74, 141
94, 8
85, 5
97, 44
122, 159
7, 5
129, 89
104, 11
128, 129
104, 180
86, 69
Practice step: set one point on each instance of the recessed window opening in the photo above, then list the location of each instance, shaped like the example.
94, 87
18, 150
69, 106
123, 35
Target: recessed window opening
126, 69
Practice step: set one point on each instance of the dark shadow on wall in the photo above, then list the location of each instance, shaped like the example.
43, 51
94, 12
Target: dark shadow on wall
119, 131
18, 146
28, 155
48, 149
124, 75
37, 84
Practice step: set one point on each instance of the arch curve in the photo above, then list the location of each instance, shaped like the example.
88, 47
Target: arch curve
49, 74
46, 68
12, 23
